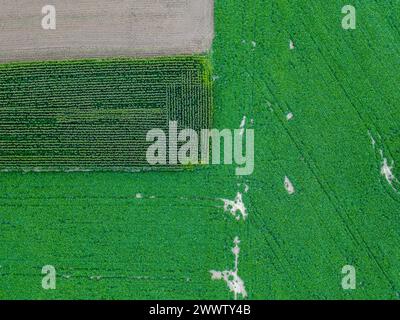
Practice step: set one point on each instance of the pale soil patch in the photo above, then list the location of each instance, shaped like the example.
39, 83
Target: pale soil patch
242, 125
236, 207
386, 169
288, 186
231, 277
87, 28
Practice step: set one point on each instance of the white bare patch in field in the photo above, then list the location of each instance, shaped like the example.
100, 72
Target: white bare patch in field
289, 116
254, 44
91, 29
386, 169
373, 142
242, 125
246, 188
142, 196
291, 45
231, 277
289, 185
236, 207
269, 106
387, 172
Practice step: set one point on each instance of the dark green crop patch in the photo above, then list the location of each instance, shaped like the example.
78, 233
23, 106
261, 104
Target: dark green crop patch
94, 114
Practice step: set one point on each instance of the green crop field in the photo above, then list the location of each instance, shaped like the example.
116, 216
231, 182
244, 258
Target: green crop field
157, 235
95, 114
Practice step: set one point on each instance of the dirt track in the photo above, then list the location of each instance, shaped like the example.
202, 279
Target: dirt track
89, 28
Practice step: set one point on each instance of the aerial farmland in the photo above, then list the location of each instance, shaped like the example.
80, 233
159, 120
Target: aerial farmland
111, 190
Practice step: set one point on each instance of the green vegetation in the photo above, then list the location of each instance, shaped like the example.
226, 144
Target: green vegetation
106, 242
95, 114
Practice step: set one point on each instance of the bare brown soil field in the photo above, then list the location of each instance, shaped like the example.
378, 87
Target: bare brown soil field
87, 28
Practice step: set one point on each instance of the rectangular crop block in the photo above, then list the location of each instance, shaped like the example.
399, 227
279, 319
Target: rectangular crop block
95, 114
